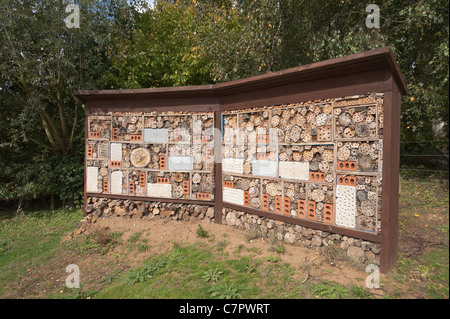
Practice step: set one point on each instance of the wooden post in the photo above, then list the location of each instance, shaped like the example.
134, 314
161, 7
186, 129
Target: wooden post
390, 174
218, 190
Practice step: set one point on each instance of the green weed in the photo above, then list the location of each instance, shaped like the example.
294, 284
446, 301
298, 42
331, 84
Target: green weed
330, 290
201, 232
143, 273
212, 275
226, 290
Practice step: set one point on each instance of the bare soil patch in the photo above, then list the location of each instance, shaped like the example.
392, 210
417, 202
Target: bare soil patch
309, 264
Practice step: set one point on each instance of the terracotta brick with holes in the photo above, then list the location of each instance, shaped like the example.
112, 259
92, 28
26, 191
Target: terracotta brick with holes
246, 198
262, 139
115, 134
346, 180
301, 208
203, 196
328, 213
89, 151
131, 188
177, 135
105, 186
265, 201
186, 187
162, 162
115, 164
312, 210
262, 156
142, 179
278, 204
135, 138
228, 184
94, 134
346, 166
317, 176
287, 206
162, 180
209, 155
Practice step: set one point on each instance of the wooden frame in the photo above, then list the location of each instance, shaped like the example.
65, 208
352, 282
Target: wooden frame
362, 73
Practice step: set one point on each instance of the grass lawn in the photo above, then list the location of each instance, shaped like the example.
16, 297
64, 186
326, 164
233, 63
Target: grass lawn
33, 259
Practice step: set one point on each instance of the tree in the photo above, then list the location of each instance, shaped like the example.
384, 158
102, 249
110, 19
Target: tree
164, 50
41, 62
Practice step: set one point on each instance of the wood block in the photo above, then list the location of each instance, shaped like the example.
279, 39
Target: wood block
233, 196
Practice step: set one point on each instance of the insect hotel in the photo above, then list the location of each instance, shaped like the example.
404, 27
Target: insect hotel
308, 155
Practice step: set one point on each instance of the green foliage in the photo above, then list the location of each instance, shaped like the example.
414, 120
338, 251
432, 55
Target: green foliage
5, 245
330, 290
273, 259
279, 248
164, 50
212, 275
142, 274
109, 278
226, 290
32, 238
202, 233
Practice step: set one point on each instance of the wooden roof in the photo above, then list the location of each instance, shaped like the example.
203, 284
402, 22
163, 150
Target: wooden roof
352, 64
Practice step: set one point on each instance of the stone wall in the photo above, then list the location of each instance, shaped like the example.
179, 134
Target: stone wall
364, 252
107, 207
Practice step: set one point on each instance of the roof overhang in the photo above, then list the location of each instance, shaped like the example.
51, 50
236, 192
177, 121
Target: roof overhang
356, 63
